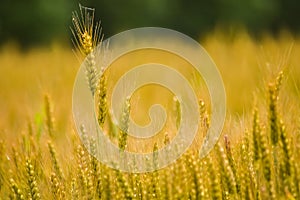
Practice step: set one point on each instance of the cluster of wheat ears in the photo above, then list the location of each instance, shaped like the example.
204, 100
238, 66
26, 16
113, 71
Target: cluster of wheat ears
261, 165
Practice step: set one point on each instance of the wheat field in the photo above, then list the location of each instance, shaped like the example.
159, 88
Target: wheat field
257, 156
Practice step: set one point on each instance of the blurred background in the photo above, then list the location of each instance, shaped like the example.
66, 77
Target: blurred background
250, 42
40, 22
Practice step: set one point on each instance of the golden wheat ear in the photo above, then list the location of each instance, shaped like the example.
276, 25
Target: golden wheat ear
86, 36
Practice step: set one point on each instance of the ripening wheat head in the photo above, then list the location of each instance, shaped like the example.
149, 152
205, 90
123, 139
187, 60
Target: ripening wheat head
87, 34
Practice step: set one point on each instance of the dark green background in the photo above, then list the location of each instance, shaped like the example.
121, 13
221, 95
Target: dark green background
38, 22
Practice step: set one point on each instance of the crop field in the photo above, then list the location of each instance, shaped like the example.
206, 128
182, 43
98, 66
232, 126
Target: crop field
257, 155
